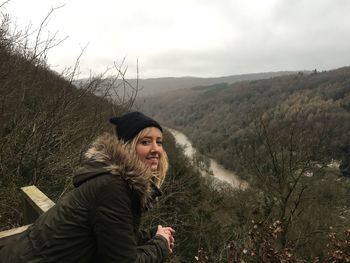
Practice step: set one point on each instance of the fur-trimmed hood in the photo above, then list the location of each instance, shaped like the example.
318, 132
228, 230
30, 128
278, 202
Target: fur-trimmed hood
108, 155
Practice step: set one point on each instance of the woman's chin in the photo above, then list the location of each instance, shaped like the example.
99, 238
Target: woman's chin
154, 167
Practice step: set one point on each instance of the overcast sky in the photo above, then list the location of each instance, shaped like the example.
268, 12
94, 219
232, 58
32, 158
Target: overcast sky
194, 37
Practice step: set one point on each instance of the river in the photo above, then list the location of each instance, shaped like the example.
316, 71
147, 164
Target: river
217, 169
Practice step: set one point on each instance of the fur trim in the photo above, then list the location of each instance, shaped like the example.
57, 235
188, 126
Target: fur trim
121, 161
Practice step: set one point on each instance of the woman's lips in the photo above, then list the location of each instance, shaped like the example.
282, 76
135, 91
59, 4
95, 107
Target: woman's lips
152, 160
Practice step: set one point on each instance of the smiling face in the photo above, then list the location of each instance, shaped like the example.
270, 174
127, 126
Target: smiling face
149, 148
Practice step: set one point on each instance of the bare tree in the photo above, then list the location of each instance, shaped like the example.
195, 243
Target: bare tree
47, 121
283, 148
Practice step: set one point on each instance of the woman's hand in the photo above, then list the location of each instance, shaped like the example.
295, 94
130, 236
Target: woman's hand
167, 233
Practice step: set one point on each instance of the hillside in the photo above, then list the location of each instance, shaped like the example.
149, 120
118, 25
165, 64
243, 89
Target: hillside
216, 117
46, 122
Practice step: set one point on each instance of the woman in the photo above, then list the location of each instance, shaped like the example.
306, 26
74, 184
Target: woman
99, 220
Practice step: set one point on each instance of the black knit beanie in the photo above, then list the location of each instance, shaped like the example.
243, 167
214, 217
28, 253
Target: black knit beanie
130, 124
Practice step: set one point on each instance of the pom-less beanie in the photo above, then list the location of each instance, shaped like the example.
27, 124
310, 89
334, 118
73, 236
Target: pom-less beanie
130, 124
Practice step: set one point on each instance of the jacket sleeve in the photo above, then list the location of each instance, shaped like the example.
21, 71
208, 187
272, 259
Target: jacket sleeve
114, 229
145, 235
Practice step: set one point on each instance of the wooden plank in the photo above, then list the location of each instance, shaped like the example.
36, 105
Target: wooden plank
37, 199
35, 203
11, 234
13, 231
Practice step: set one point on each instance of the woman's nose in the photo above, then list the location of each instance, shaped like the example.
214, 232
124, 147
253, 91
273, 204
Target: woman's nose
155, 147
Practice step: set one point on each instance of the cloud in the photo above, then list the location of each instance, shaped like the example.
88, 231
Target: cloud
199, 37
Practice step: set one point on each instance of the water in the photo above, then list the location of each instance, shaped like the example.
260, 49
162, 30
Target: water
216, 169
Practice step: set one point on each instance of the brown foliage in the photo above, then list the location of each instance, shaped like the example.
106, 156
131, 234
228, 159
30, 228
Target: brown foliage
261, 246
46, 121
339, 248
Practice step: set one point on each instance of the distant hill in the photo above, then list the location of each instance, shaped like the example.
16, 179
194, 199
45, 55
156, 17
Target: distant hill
150, 87
154, 86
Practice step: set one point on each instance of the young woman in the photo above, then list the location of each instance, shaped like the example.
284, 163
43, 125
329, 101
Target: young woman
99, 220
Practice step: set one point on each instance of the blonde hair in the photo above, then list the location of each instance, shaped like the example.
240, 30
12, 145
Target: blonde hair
159, 175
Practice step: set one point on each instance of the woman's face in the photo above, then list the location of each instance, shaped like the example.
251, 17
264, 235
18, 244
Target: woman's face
150, 148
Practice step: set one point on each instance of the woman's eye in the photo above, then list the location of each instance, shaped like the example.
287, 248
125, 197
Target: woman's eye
160, 142
144, 142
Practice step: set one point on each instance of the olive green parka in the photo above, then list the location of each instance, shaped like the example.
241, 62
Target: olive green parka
98, 221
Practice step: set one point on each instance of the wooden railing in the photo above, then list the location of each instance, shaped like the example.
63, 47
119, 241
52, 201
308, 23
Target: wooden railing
34, 203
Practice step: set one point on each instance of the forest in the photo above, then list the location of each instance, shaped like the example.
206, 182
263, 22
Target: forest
287, 136
285, 216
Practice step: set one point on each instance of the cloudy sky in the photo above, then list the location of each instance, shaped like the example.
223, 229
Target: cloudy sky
193, 37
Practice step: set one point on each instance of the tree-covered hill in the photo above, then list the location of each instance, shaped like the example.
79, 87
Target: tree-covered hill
217, 117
